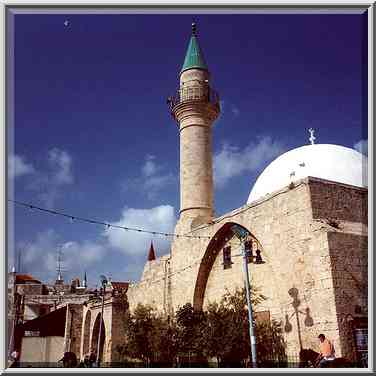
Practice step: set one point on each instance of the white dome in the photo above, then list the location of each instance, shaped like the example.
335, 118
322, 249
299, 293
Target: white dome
329, 162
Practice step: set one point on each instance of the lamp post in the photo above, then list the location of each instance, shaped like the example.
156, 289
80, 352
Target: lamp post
241, 234
104, 283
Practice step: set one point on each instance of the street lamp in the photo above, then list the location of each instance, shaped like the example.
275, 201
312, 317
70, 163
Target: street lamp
241, 234
103, 283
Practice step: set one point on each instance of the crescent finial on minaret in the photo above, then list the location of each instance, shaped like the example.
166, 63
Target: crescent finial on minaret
194, 28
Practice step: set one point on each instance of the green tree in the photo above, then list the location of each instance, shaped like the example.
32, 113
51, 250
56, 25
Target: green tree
149, 337
138, 334
221, 331
271, 345
164, 341
227, 329
191, 326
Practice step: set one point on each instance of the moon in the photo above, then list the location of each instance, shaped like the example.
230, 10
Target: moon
66, 22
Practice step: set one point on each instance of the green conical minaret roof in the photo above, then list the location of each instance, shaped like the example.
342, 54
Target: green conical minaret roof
194, 57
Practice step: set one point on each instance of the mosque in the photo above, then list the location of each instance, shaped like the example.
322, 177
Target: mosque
306, 219
306, 216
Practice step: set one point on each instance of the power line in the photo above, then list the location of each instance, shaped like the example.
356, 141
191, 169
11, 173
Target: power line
74, 218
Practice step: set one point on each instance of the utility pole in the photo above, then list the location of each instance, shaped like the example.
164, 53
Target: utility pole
242, 234
249, 305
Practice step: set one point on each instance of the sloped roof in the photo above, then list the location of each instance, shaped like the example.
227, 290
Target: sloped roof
22, 278
51, 324
120, 285
151, 255
194, 57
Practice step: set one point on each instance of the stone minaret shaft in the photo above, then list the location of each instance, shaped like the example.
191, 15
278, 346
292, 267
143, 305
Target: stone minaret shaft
195, 107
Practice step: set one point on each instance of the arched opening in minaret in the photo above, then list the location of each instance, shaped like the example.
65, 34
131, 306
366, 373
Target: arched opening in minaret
95, 335
214, 265
86, 334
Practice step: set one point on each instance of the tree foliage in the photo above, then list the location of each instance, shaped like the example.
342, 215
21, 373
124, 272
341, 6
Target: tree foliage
220, 332
149, 337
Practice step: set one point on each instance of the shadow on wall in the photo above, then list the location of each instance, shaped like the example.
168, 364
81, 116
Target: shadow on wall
308, 320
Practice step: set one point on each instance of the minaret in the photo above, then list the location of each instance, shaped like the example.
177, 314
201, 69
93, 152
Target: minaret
195, 107
84, 282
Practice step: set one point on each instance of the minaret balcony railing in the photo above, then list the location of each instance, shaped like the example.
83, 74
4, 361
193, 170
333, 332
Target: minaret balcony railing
194, 94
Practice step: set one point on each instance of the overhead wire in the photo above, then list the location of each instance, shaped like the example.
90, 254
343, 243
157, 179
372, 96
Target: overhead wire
107, 225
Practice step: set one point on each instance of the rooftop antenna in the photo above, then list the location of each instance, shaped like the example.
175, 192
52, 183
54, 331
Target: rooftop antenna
19, 261
312, 138
59, 269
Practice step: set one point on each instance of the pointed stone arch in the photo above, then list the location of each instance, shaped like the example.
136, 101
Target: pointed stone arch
86, 334
215, 245
95, 334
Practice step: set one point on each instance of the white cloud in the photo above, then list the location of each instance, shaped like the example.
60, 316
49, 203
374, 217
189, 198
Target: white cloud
58, 174
362, 147
160, 218
17, 166
231, 161
152, 179
39, 256
60, 163
150, 167
228, 108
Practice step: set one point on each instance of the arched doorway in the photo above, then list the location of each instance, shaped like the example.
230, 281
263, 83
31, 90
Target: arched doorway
216, 244
95, 334
86, 334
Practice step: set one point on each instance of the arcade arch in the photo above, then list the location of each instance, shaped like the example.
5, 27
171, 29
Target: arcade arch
95, 334
86, 334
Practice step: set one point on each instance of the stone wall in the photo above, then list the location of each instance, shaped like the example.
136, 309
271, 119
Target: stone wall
117, 330
294, 228
349, 261
30, 289
303, 277
153, 287
338, 201
296, 275
73, 325
113, 327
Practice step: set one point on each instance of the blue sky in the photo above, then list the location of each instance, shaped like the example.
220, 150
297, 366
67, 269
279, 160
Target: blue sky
94, 137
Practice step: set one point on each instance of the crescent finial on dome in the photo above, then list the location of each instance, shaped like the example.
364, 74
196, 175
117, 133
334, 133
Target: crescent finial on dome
312, 138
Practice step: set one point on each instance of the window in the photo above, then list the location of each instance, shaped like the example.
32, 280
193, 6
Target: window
227, 257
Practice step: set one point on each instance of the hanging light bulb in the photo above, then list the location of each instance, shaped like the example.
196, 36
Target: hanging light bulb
258, 257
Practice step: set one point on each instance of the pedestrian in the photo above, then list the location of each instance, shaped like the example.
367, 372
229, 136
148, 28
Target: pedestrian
87, 362
15, 356
69, 359
92, 358
327, 352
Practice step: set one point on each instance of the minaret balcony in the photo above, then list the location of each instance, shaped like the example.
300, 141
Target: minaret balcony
194, 94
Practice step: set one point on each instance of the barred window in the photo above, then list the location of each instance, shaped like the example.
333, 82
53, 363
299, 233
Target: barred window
227, 257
